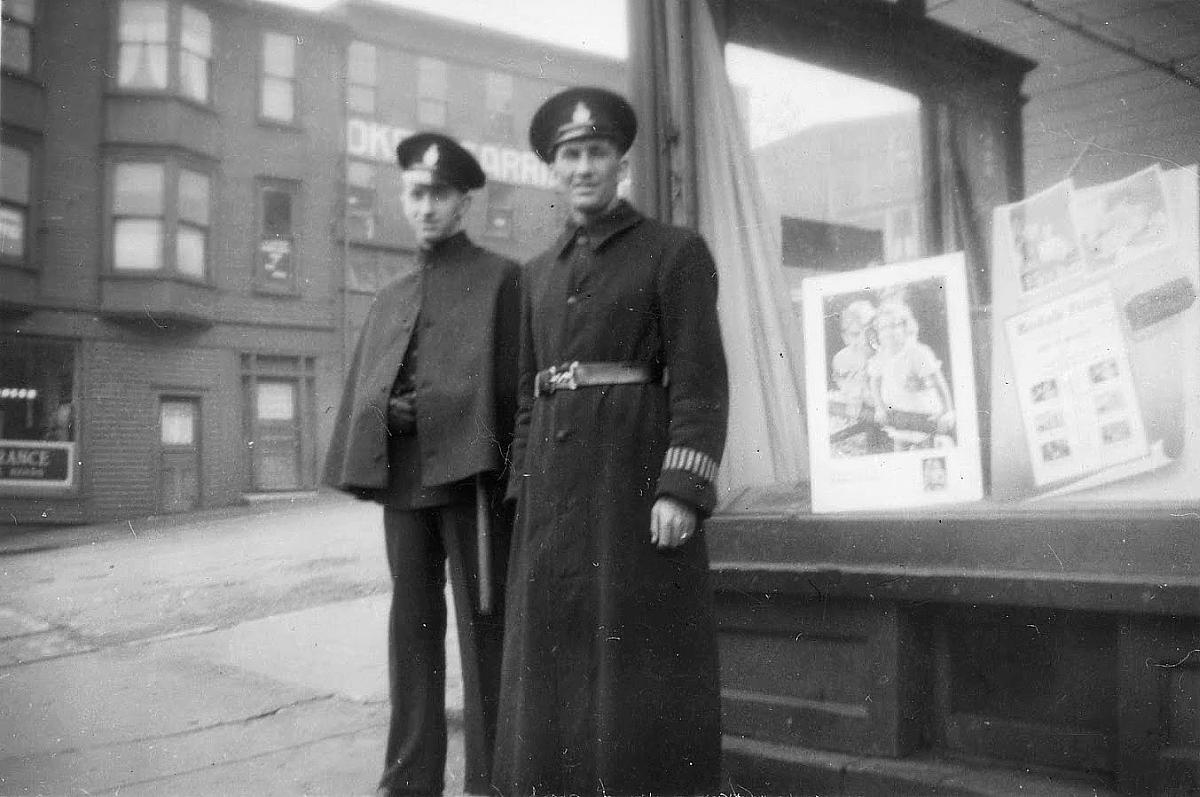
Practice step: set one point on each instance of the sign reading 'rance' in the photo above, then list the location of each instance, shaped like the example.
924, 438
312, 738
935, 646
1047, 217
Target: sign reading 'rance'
36, 462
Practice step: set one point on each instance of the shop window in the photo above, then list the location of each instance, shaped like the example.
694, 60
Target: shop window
498, 99
16, 170
16, 49
360, 200
278, 97
276, 270
823, 143
160, 219
431, 92
38, 430
361, 82
148, 31
500, 210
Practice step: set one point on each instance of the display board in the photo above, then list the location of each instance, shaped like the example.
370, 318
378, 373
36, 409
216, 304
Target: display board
890, 387
1096, 342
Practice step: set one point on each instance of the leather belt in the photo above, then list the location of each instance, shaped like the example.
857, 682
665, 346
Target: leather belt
572, 376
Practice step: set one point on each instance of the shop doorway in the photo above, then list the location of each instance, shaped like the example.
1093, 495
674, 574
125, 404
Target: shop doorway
276, 435
179, 454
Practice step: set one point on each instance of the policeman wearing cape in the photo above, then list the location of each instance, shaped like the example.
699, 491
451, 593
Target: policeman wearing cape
424, 429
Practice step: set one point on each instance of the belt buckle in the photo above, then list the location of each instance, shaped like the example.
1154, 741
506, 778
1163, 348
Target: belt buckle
565, 379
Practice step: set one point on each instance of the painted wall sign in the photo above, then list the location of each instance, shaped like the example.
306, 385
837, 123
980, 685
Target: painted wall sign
376, 141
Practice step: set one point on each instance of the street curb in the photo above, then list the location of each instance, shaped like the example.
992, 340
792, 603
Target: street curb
34, 538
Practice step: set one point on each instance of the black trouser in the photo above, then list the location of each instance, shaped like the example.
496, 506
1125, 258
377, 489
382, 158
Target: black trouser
419, 543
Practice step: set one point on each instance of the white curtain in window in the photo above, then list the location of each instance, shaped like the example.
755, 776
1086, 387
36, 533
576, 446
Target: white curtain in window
766, 443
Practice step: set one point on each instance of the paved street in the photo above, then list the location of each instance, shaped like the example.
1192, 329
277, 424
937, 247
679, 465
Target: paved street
236, 651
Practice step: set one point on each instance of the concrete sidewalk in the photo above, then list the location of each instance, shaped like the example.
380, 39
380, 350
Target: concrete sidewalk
284, 702
293, 704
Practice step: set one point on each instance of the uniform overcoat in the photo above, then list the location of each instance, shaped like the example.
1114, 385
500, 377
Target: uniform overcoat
610, 680
466, 308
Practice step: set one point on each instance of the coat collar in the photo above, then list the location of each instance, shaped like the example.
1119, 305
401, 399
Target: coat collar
444, 250
599, 231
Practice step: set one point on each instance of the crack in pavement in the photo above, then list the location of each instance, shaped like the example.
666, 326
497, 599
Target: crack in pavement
185, 732
115, 790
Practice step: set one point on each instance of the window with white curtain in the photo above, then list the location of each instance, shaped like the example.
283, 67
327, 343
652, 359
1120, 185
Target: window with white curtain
154, 34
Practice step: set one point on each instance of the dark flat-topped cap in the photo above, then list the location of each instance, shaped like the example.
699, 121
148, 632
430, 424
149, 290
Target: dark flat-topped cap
442, 159
582, 112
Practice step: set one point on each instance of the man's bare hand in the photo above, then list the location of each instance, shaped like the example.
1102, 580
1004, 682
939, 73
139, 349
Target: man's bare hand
672, 523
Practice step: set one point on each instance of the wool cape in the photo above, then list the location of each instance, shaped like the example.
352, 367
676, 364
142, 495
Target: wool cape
465, 301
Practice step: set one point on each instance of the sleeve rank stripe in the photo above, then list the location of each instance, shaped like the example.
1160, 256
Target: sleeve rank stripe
691, 460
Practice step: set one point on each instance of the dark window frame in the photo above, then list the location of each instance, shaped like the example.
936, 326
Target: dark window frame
501, 204
289, 285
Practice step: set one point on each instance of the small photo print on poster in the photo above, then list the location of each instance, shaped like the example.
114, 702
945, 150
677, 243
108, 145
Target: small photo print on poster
1043, 240
1046, 390
889, 382
888, 367
1121, 221
1056, 449
1049, 421
1104, 371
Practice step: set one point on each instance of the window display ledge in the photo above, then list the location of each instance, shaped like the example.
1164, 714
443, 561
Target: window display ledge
1141, 558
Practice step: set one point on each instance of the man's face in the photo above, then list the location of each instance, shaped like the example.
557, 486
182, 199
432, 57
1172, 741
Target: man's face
589, 170
434, 210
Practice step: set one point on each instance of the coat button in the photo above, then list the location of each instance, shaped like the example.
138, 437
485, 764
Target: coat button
563, 435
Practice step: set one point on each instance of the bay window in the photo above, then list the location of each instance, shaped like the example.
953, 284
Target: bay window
195, 53
16, 169
160, 218
16, 49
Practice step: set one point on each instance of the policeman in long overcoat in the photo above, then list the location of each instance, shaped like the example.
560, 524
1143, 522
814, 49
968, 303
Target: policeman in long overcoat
610, 682
424, 428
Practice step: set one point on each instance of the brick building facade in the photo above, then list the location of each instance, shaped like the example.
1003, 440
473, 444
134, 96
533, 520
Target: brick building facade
198, 201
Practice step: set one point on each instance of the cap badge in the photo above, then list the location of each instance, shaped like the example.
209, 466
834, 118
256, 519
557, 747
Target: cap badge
582, 115
431, 156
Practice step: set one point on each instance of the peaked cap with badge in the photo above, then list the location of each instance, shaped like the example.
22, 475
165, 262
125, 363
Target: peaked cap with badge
582, 112
442, 160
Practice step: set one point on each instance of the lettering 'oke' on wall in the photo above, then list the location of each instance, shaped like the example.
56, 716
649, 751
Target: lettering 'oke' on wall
375, 141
